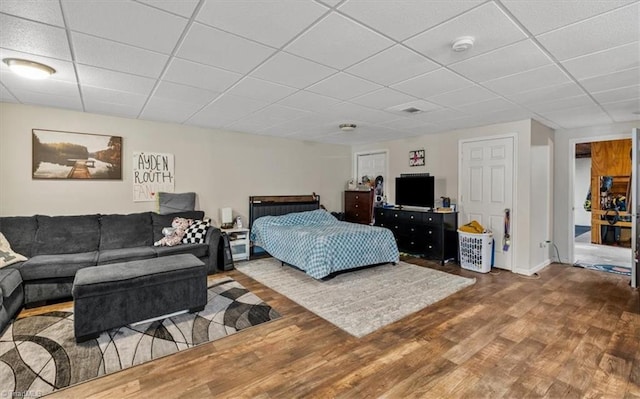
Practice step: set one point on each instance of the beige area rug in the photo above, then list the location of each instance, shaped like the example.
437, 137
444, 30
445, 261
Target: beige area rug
361, 301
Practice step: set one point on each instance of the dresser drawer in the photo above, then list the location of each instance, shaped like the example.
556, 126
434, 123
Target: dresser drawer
432, 218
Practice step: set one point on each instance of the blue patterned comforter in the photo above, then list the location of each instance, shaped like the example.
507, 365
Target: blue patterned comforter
319, 244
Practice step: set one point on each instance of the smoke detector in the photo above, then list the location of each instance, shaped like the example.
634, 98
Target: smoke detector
463, 43
347, 127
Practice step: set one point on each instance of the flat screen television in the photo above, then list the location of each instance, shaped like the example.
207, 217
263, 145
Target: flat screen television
415, 191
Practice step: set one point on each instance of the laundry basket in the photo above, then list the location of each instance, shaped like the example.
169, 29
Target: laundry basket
476, 251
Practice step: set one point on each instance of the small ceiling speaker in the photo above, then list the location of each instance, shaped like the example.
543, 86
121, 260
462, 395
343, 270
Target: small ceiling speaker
348, 127
463, 43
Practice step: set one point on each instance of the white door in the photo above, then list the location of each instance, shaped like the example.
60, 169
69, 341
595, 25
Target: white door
373, 165
635, 210
486, 190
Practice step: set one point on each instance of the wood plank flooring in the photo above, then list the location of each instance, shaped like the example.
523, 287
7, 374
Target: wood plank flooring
572, 333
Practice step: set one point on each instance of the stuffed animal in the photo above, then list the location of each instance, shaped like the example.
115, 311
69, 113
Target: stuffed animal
175, 233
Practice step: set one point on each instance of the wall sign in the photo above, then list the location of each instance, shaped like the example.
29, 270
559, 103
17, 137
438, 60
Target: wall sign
152, 172
416, 158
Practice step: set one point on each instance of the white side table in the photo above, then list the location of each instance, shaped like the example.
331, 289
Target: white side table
239, 243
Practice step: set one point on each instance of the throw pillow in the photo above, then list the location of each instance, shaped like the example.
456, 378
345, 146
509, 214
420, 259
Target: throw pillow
197, 232
175, 202
7, 256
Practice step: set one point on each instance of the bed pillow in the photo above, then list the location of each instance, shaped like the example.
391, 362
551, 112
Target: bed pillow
197, 232
7, 256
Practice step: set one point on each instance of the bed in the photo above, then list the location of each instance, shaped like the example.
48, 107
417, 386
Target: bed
316, 242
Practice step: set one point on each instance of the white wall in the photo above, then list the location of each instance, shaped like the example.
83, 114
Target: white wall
223, 168
442, 162
541, 194
565, 139
582, 181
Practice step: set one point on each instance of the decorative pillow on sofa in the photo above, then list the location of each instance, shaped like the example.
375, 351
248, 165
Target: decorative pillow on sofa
7, 256
175, 202
197, 232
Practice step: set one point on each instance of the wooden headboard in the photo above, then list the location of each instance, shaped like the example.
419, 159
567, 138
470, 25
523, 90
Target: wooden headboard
275, 205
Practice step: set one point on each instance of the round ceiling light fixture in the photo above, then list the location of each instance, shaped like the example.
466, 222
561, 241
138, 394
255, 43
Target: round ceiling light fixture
348, 127
463, 43
29, 69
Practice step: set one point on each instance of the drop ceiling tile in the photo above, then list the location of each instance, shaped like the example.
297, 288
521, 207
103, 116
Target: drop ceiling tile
259, 89
267, 117
546, 94
220, 49
102, 53
183, 8
343, 86
383, 98
432, 83
565, 103
548, 75
330, 3
509, 60
490, 27
411, 124
393, 65
617, 95
33, 38
224, 110
47, 12
268, 22
591, 115
625, 78
114, 80
404, 19
308, 101
160, 31
300, 126
182, 93
197, 75
421, 105
608, 30
116, 109
352, 112
467, 95
48, 100
338, 42
441, 115
6, 97
49, 86
94, 95
485, 107
624, 111
167, 110
544, 15
605, 62
292, 71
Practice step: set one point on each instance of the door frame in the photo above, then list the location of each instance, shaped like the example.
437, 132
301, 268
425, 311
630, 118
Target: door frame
354, 167
514, 187
572, 176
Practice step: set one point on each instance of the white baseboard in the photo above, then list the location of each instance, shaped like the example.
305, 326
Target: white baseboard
536, 268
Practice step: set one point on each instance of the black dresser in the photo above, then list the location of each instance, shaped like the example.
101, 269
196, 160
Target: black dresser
433, 235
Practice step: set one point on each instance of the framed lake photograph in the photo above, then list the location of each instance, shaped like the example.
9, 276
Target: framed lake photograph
76, 156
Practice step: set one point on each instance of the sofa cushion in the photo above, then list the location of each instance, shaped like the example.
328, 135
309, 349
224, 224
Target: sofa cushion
57, 265
125, 254
162, 221
67, 234
20, 231
198, 250
126, 231
10, 279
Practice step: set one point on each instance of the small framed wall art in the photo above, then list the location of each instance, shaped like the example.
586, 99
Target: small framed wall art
416, 158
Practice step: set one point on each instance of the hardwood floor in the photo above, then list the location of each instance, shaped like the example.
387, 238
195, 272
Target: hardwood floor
571, 333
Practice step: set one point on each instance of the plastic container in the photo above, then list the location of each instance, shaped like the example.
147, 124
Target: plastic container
476, 251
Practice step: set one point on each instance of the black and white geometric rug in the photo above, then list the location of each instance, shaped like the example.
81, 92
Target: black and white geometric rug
38, 354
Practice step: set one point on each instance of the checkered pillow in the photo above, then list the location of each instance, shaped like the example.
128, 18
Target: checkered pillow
197, 232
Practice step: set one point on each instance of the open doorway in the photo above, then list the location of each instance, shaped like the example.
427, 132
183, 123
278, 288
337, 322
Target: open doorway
602, 217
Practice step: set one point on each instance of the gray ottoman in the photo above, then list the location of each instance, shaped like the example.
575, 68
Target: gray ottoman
118, 294
11, 295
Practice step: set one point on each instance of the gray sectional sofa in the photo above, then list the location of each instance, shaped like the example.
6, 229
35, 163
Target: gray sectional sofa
58, 246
